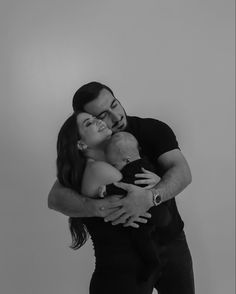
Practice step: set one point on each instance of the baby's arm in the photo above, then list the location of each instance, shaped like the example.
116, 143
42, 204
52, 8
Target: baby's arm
148, 178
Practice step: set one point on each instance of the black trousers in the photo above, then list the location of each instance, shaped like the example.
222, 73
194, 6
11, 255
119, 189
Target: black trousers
176, 276
177, 273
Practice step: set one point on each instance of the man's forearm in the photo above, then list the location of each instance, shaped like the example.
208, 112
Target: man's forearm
174, 181
67, 201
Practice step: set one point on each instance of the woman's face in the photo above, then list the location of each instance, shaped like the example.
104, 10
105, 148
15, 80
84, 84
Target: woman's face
92, 131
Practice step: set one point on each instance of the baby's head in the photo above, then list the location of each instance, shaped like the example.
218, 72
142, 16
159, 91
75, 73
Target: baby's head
121, 149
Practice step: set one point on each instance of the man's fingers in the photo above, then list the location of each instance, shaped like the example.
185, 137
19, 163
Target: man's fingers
141, 220
105, 212
107, 203
108, 206
137, 219
115, 215
134, 225
114, 198
121, 220
130, 221
146, 214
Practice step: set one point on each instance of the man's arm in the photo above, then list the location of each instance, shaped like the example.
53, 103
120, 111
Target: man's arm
176, 177
177, 174
72, 204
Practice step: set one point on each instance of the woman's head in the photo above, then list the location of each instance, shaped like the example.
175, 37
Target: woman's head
70, 161
93, 132
80, 134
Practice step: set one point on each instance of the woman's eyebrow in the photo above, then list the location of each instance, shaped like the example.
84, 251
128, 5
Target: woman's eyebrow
86, 120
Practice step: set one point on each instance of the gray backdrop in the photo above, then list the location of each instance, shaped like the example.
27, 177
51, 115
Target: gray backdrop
173, 60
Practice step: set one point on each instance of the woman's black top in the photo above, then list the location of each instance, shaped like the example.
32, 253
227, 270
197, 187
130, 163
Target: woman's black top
113, 246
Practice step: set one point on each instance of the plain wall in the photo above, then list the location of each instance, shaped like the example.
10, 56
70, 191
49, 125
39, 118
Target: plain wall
172, 60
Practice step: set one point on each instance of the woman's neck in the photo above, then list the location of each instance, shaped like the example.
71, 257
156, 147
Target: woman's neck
96, 153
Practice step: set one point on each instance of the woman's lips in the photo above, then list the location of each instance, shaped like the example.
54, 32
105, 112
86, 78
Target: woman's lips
102, 127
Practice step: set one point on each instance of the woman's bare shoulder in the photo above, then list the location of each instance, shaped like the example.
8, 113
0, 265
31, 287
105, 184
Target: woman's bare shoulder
103, 172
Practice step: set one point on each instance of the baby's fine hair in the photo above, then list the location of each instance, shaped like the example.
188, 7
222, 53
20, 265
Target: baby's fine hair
123, 143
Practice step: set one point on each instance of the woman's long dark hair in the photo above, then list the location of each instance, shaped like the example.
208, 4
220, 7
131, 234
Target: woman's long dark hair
70, 167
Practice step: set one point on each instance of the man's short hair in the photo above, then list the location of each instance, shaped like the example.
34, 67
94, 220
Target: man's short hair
86, 94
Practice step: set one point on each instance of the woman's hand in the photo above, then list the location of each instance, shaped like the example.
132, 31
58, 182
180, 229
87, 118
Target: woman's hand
148, 178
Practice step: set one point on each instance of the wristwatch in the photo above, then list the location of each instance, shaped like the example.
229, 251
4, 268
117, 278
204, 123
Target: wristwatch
156, 197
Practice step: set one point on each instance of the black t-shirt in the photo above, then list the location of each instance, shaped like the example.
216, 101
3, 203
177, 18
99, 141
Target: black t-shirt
156, 138
160, 214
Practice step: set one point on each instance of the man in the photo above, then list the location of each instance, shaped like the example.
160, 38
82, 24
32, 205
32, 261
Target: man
158, 143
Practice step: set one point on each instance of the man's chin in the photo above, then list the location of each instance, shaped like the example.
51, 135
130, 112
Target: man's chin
119, 129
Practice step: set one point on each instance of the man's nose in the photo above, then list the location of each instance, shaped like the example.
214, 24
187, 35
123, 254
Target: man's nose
114, 116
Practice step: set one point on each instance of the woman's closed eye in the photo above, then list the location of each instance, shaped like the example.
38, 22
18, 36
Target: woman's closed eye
88, 124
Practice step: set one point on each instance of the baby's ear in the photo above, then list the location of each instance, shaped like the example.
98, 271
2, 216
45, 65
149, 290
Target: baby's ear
127, 160
81, 145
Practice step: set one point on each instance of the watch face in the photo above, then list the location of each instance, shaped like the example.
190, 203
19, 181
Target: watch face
158, 199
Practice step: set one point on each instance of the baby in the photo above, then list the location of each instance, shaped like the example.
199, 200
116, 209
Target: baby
122, 152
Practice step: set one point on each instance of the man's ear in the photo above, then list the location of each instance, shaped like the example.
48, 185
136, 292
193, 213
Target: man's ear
81, 145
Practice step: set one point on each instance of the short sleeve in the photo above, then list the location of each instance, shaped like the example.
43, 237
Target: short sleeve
156, 137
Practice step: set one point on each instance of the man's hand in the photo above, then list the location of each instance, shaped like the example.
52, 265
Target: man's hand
133, 207
104, 206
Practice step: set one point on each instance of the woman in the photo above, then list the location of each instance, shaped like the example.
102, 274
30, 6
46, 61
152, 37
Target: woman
81, 166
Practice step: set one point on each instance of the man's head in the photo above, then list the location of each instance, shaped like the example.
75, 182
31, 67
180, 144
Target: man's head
99, 100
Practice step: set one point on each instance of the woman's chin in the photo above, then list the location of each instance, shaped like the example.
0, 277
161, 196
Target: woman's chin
109, 132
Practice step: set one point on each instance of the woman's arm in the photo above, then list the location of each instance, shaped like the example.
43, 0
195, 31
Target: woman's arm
97, 174
72, 204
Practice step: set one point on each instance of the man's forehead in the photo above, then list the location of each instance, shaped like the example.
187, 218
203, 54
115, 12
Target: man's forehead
101, 103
